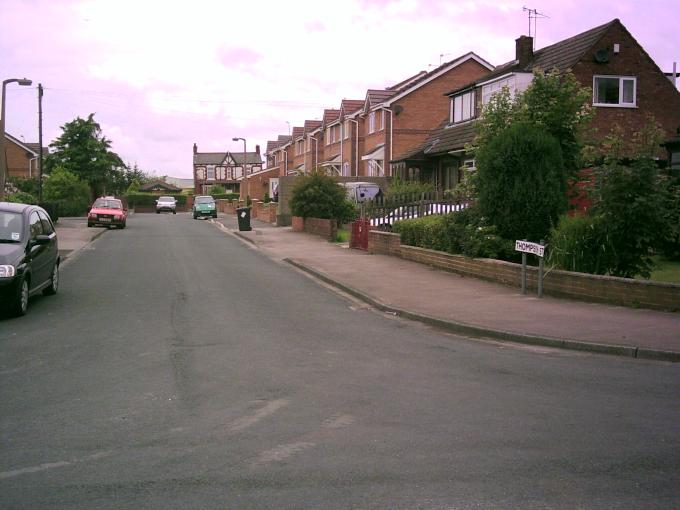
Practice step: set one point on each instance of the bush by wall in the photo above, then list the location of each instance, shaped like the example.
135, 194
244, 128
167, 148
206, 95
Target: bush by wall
316, 195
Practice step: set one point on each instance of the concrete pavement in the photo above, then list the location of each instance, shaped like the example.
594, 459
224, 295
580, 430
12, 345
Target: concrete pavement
447, 300
467, 305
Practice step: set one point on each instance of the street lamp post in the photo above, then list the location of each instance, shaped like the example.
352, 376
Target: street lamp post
3, 157
245, 180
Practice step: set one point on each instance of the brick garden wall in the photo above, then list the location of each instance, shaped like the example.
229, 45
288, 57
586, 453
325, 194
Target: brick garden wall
328, 229
602, 289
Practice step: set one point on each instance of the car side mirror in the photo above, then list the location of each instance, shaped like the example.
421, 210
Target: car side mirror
42, 239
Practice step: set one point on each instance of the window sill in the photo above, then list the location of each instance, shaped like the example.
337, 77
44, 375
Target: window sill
607, 105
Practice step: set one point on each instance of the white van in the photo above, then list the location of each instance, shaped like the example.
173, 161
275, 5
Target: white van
359, 192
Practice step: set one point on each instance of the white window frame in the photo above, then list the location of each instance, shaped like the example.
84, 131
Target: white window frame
462, 107
621, 79
371, 122
346, 129
210, 173
328, 135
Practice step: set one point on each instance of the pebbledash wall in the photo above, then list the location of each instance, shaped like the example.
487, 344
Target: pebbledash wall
601, 289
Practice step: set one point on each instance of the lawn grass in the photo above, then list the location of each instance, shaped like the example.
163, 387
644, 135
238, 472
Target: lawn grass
666, 271
343, 235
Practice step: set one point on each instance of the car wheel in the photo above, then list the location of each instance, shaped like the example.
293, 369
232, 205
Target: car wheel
20, 304
89, 225
214, 215
52, 288
174, 212
122, 225
157, 211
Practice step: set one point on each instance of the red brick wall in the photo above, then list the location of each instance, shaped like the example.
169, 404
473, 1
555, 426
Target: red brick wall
655, 93
327, 229
18, 161
603, 289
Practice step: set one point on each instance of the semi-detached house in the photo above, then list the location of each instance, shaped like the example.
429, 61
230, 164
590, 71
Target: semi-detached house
627, 87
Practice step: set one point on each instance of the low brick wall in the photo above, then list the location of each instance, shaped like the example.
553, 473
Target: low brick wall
601, 289
327, 229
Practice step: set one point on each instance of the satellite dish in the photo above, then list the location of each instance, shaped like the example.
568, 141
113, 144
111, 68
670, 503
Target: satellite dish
398, 109
602, 56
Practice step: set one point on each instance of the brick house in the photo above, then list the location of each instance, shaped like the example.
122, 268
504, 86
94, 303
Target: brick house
223, 168
330, 132
399, 118
23, 159
627, 87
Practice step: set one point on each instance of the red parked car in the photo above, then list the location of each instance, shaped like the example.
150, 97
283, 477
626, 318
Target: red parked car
108, 212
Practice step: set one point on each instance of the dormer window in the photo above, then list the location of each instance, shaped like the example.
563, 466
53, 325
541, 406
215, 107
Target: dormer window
614, 91
462, 107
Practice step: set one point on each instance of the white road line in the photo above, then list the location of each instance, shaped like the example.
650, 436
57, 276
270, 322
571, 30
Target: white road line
51, 465
248, 421
281, 452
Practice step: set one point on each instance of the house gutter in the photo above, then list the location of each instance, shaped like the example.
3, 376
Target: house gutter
356, 149
389, 110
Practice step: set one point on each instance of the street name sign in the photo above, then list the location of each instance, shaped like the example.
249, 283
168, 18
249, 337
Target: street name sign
527, 247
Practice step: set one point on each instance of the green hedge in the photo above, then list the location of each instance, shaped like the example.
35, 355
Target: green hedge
135, 199
226, 196
463, 232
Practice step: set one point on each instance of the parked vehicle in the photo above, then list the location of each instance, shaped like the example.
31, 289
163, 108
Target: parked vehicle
168, 204
358, 192
108, 212
29, 255
204, 205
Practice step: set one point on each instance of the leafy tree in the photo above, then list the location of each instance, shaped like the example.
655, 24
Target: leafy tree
83, 151
521, 182
555, 102
316, 195
70, 193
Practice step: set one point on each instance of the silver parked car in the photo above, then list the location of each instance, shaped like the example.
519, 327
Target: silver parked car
166, 204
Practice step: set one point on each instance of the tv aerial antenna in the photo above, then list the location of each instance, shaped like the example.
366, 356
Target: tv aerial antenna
534, 15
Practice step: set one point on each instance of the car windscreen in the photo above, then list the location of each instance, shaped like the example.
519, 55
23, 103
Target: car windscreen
204, 200
11, 227
166, 199
107, 203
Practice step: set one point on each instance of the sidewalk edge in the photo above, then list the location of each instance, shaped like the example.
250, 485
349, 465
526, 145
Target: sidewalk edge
478, 331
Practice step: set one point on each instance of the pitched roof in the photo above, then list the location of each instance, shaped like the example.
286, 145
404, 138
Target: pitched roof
445, 138
374, 96
209, 158
349, 106
330, 116
159, 184
298, 132
311, 125
562, 55
252, 158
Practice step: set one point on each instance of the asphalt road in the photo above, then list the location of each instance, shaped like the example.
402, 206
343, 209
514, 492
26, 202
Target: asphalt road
179, 368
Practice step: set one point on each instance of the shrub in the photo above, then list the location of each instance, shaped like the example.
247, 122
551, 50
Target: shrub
71, 194
398, 187
579, 244
521, 182
316, 195
21, 197
217, 190
226, 196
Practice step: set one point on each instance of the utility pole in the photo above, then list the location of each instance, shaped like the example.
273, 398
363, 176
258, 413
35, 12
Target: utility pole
40, 143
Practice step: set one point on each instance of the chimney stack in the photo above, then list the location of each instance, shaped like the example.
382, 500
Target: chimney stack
524, 50
257, 149
195, 149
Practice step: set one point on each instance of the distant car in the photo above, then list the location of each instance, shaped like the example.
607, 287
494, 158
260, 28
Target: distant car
166, 204
204, 205
29, 255
108, 212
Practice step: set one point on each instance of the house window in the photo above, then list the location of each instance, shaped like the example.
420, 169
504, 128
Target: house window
371, 122
375, 168
614, 91
230, 173
299, 146
463, 107
345, 169
382, 120
211, 173
346, 129
328, 135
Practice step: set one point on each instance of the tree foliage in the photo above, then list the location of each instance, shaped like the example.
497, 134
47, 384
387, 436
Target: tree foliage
83, 151
316, 195
521, 182
71, 194
555, 102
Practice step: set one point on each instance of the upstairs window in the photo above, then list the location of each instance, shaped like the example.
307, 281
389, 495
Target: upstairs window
328, 135
299, 147
614, 91
463, 107
371, 122
211, 173
347, 129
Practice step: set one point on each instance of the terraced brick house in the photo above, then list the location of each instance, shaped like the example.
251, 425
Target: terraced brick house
400, 118
23, 159
352, 138
331, 161
225, 169
627, 86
